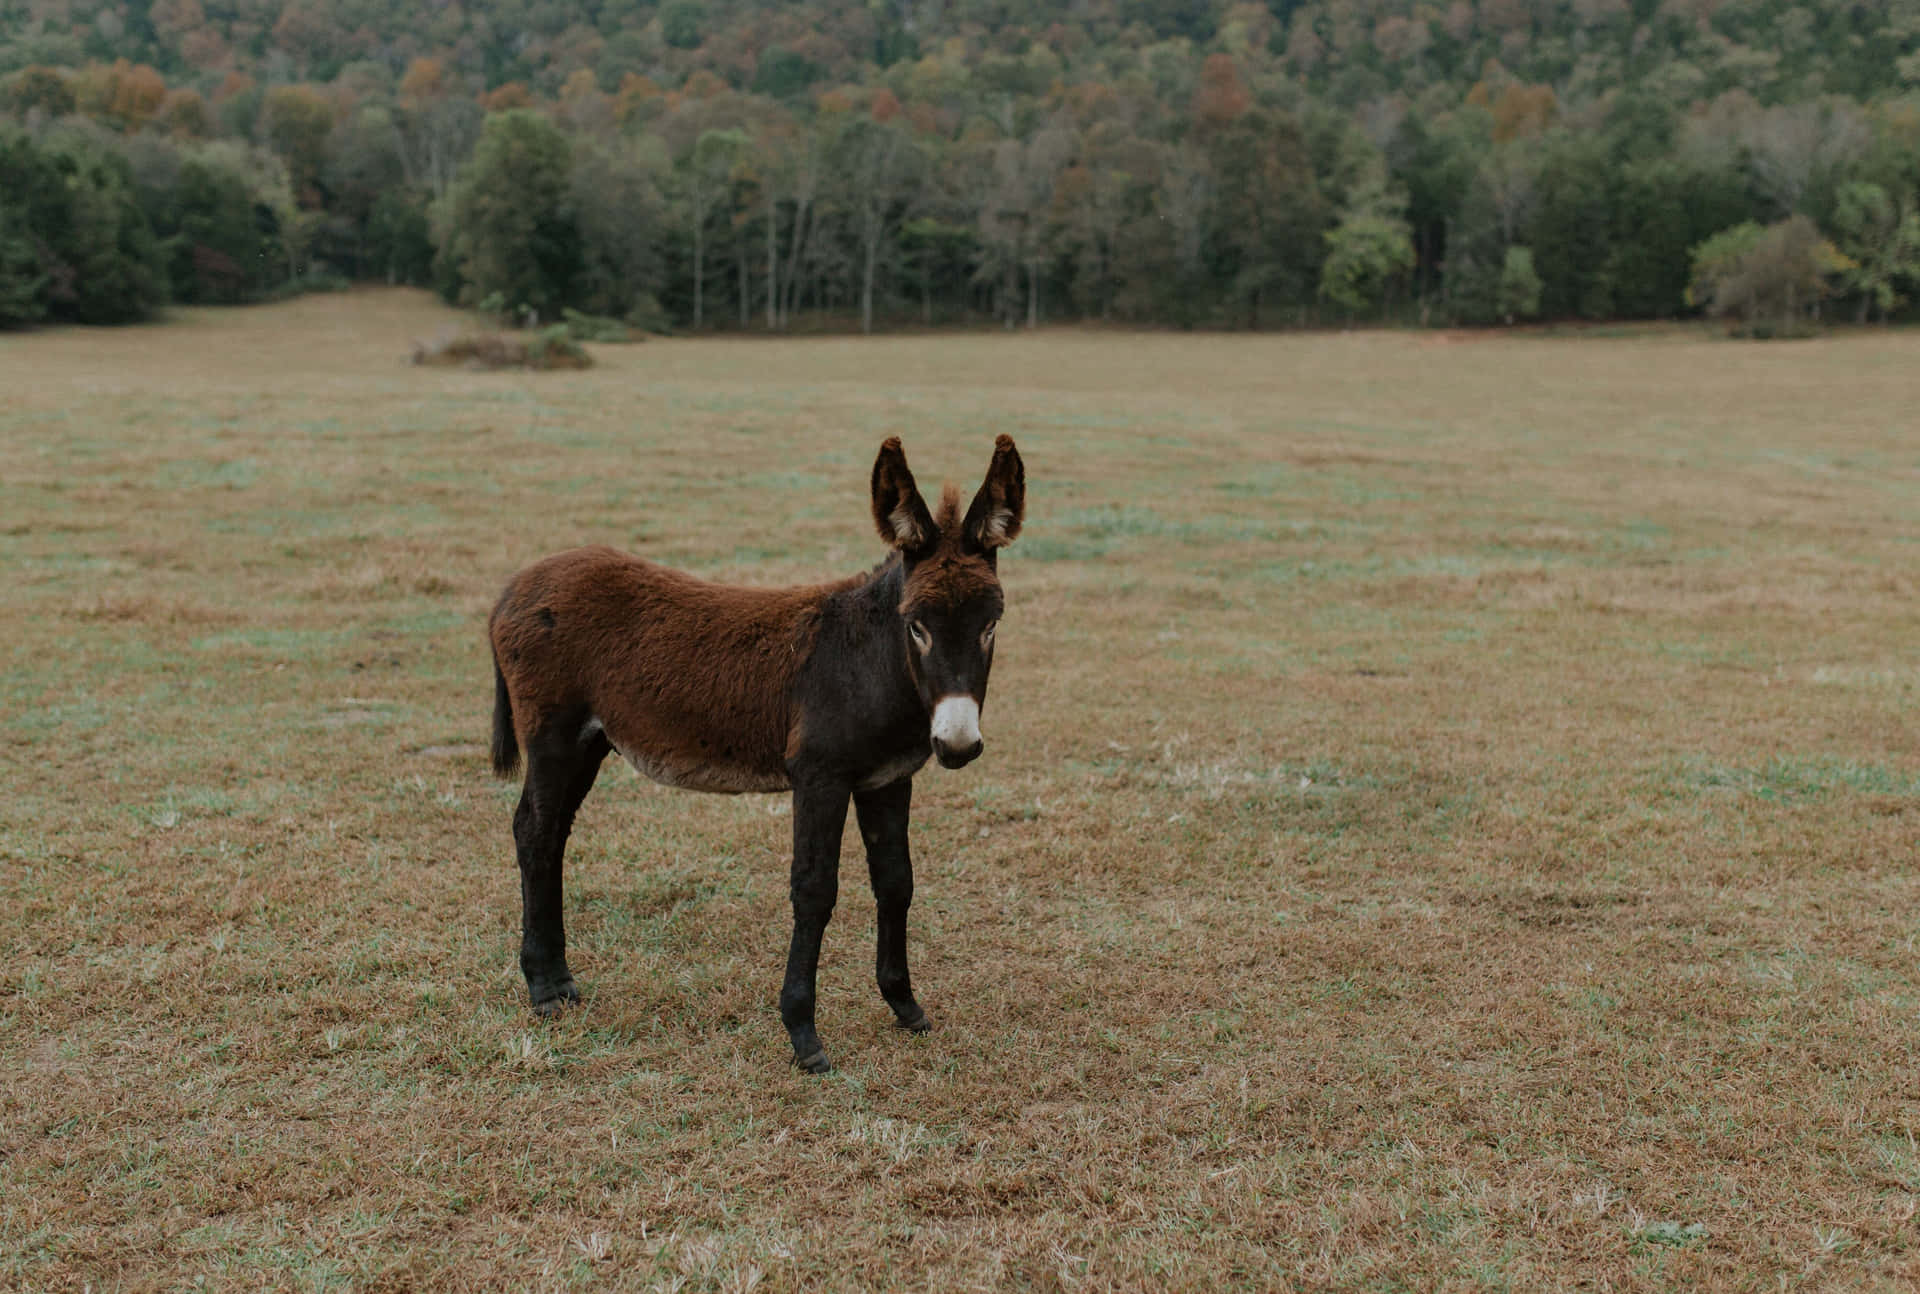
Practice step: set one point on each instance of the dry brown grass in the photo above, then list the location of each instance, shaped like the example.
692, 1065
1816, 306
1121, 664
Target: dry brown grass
1447, 822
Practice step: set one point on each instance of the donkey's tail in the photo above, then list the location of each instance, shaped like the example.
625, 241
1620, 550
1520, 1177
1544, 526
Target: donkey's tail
506, 746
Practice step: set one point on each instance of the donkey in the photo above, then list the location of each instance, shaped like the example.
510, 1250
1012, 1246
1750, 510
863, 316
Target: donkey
833, 691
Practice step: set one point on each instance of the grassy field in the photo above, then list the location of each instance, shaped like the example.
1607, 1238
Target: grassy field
1448, 821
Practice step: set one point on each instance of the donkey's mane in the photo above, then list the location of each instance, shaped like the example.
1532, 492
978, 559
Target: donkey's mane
948, 518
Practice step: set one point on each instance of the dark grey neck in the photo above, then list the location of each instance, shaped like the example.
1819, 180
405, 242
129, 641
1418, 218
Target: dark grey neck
885, 585
861, 703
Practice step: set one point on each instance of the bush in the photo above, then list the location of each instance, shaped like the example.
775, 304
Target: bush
1768, 282
550, 348
586, 327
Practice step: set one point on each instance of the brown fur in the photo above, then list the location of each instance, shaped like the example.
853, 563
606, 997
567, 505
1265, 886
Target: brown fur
690, 680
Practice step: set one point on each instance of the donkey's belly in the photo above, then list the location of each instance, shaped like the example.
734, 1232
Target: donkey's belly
723, 778
689, 771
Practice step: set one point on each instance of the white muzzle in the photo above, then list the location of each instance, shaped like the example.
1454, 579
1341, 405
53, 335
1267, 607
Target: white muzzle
956, 730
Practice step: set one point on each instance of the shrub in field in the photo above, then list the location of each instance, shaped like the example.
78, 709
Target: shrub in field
552, 348
1769, 281
549, 348
586, 327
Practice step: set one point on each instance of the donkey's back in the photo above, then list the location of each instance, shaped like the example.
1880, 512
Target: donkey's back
689, 680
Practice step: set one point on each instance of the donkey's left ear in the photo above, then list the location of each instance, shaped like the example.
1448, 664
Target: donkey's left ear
899, 513
993, 521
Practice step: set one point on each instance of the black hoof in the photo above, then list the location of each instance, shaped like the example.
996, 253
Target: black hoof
816, 1063
552, 999
919, 1023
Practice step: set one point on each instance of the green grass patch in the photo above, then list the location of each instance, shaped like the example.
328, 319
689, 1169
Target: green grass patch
1797, 779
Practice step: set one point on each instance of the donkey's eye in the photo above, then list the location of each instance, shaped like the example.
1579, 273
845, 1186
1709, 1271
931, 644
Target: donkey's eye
921, 638
986, 636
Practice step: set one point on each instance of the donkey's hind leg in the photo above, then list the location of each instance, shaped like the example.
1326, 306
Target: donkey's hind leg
562, 761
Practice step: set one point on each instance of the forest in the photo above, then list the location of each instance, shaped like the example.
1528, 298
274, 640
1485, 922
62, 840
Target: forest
834, 164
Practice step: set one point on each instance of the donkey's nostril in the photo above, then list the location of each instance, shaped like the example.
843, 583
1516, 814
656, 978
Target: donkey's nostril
957, 756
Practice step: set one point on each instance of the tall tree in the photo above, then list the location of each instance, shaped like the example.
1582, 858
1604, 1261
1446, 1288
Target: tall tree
1109, 185
214, 246
1015, 179
1793, 147
1185, 201
1270, 215
297, 121
1880, 235
436, 128
507, 225
706, 179
617, 194
1659, 210
1435, 166
28, 183
875, 165
1368, 252
1569, 225
98, 250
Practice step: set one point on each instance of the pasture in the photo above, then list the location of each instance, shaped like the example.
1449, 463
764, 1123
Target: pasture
1447, 820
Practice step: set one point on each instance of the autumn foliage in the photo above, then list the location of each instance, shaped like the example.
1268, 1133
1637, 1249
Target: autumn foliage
121, 94
1186, 162
1222, 98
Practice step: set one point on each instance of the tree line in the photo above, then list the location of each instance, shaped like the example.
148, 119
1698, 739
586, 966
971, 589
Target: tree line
1195, 180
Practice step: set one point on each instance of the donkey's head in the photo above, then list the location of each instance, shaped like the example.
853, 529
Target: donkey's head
951, 601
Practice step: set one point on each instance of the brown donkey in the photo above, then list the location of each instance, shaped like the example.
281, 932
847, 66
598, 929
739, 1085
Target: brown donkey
832, 691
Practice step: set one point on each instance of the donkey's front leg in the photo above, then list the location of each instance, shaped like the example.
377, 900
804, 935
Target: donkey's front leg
883, 817
819, 818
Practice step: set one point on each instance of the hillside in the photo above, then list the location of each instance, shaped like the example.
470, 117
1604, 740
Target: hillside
1348, 51
753, 164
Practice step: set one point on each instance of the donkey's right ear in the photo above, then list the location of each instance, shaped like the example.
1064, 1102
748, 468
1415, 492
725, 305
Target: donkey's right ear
899, 513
